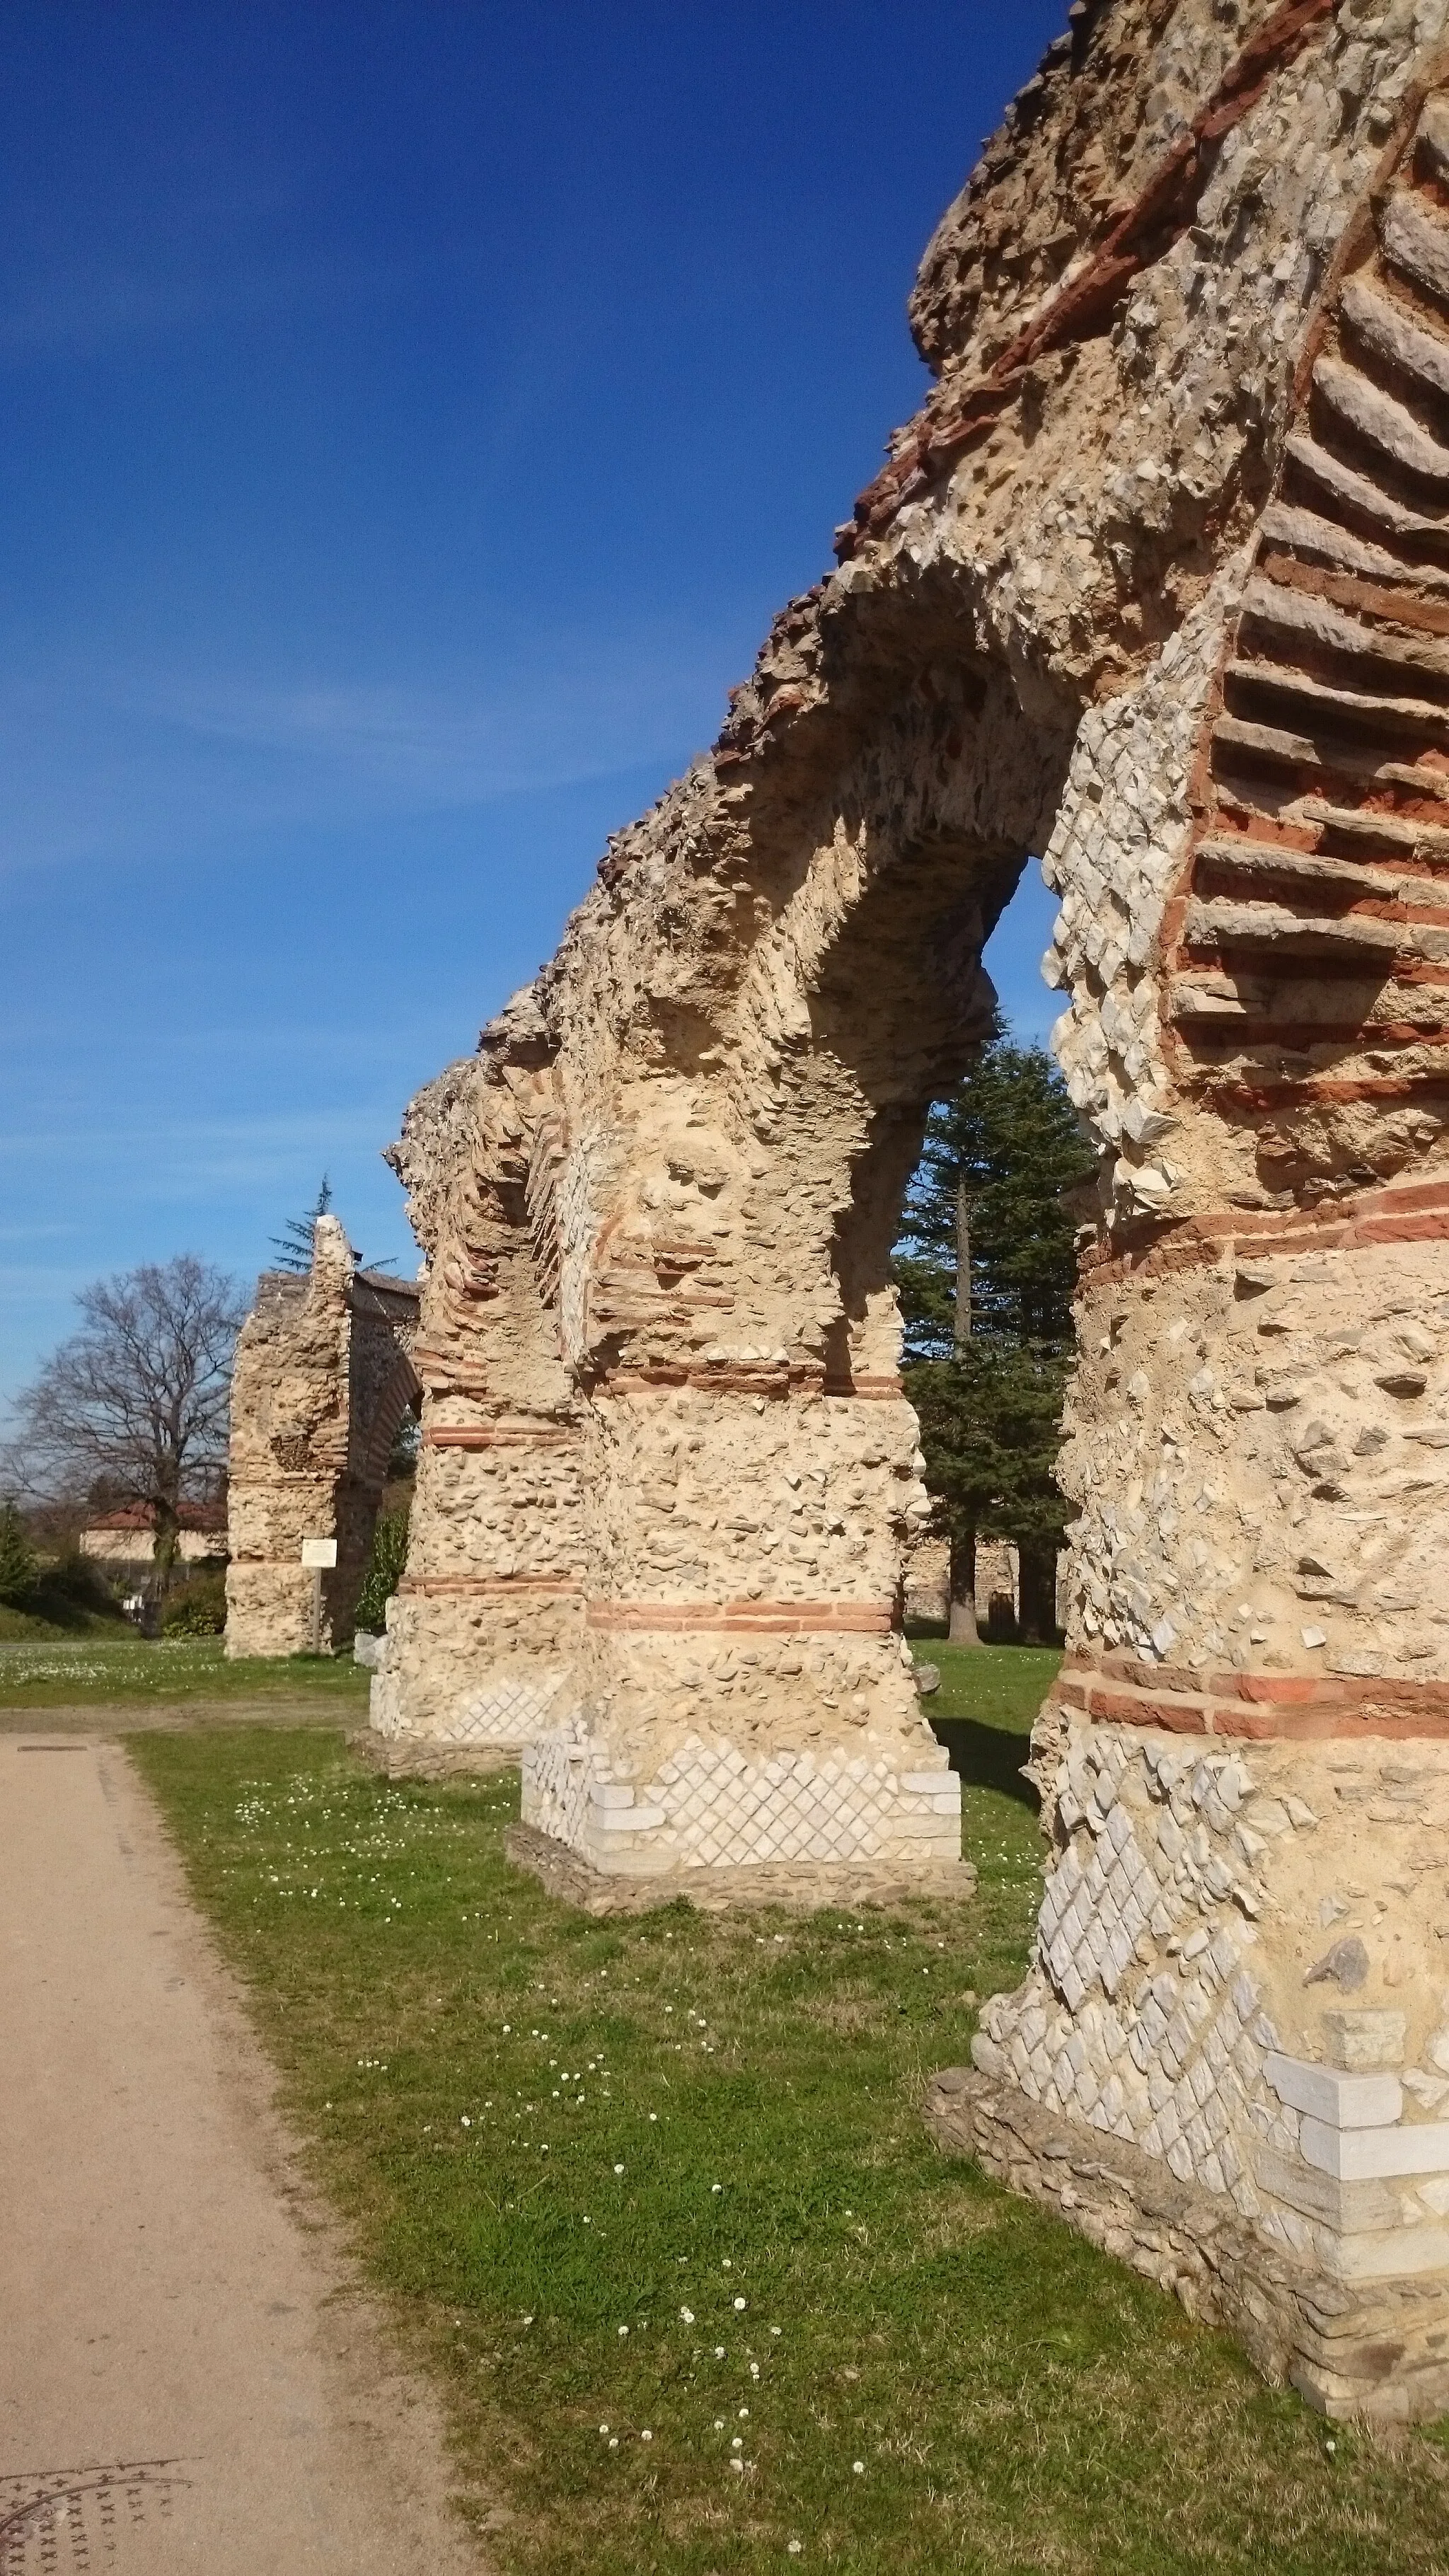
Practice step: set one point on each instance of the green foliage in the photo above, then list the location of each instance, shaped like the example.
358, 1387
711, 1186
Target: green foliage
18, 1569
68, 1598
384, 1571
294, 1245
989, 1423
988, 1382
402, 1464
197, 1608
1009, 1133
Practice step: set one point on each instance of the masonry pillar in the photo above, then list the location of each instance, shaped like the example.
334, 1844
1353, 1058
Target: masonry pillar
321, 1382
484, 1632
1230, 2058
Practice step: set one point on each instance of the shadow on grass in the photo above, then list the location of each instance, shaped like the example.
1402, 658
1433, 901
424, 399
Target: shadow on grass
987, 1757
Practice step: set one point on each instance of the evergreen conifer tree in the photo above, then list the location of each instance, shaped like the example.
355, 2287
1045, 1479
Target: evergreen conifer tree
294, 1245
986, 1270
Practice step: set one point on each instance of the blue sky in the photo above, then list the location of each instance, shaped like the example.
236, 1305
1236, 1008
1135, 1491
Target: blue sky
413, 415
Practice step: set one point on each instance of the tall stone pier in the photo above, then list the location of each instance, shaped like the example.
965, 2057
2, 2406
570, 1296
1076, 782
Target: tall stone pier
1156, 585
322, 1384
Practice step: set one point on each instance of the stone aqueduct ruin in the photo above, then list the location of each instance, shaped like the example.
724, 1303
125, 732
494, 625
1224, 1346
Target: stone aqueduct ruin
1157, 583
323, 1382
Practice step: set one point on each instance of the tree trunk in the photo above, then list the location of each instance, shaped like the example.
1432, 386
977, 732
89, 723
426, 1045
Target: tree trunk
962, 1326
1038, 1615
165, 1545
963, 1630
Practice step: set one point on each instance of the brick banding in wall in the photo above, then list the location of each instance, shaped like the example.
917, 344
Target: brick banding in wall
484, 1587
1315, 866
776, 1383
1417, 1212
1116, 1690
498, 1435
760, 1618
1085, 305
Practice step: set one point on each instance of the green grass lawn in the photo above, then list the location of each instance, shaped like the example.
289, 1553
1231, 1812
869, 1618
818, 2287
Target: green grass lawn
69, 1673
654, 2200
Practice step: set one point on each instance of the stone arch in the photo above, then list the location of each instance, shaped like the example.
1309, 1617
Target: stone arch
1158, 579
401, 1394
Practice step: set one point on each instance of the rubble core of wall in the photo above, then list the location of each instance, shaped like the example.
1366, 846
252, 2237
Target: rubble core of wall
322, 1380
1255, 1449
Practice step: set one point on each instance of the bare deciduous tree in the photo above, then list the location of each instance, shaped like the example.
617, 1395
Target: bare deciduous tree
136, 1402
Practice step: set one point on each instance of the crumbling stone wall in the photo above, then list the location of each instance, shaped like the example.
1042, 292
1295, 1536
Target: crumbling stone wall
323, 1380
1157, 584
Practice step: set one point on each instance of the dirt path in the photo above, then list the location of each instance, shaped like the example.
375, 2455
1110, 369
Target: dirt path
185, 2380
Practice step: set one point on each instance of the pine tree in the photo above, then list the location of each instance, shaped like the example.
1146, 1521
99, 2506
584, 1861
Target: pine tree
18, 1569
294, 1245
986, 1270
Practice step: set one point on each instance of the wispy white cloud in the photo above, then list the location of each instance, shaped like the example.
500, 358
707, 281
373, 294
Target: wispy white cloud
578, 715
105, 765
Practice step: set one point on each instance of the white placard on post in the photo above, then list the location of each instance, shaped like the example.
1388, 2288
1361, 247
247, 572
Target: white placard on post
321, 1555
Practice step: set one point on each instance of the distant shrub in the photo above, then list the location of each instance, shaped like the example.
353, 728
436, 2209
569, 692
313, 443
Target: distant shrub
384, 1571
18, 1569
197, 1608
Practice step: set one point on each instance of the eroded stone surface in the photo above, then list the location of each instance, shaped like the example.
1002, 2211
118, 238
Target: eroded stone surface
322, 1382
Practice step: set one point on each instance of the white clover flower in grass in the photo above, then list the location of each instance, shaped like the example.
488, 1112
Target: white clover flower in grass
738, 2442
687, 2316
646, 2435
719, 2352
738, 2464
859, 2467
794, 2547
623, 2330
719, 2423
618, 2169
739, 2303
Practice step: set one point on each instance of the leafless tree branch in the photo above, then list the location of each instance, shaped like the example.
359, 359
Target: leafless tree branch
135, 1402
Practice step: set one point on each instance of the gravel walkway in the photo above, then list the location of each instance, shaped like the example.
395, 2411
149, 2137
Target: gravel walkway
187, 2381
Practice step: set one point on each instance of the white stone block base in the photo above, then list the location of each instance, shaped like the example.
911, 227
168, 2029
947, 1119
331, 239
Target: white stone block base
709, 1807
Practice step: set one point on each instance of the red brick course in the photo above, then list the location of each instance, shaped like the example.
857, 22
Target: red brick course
1256, 1707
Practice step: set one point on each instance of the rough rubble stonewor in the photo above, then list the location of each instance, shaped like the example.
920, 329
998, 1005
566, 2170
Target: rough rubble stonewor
323, 1382
1157, 584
